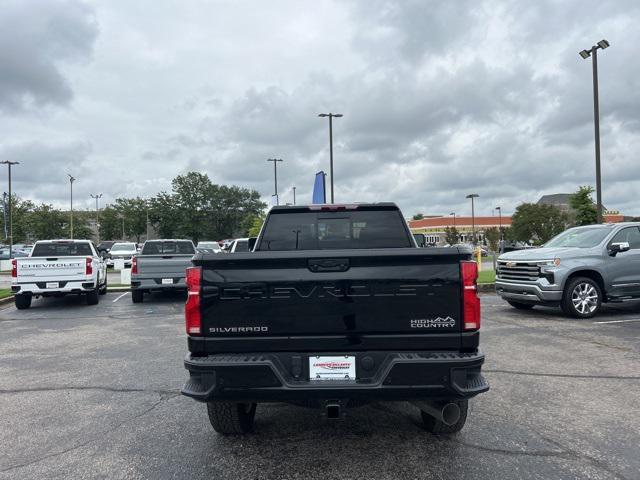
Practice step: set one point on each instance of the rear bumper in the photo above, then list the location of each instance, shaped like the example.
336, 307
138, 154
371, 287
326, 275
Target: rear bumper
156, 283
283, 377
527, 292
39, 288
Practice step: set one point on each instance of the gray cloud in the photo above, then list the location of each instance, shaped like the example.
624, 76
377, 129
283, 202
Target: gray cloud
440, 99
37, 39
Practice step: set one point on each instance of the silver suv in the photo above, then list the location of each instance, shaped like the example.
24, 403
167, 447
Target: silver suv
577, 270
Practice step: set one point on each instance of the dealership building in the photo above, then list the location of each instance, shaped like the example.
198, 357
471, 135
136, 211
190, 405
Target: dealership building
433, 227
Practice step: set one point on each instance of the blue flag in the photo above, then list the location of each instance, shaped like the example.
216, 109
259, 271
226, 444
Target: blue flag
319, 190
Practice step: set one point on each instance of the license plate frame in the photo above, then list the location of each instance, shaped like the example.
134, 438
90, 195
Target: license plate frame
52, 285
167, 281
341, 368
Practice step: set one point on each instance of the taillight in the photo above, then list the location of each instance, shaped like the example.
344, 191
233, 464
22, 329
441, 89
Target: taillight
470, 299
134, 265
14, 268
88, 270
192, 308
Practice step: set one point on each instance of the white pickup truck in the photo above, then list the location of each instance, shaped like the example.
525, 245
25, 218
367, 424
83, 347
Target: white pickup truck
58, 267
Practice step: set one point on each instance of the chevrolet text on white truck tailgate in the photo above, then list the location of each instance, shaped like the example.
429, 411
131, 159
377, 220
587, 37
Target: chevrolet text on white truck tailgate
57, 268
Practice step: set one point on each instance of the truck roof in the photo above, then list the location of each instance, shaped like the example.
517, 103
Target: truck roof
336, 206
63, 240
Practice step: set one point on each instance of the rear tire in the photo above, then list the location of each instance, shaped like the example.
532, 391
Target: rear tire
436, 426
103, 290
230, 418
22, 301
582, 298
137, 296
93, 297
520, 306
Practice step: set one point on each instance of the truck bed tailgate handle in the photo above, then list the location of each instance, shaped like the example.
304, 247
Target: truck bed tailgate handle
329, 265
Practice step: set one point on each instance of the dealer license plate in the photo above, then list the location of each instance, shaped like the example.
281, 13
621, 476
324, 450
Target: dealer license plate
167, 281
53, 284
332, 368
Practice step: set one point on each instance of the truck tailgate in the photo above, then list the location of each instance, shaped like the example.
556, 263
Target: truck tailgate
33, 269
352, 294
156, 266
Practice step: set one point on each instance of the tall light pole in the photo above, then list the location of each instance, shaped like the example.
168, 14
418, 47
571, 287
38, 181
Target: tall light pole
275, 176
499, 209
294, 195
473, 217
331, 117
593, 53
453, 214
97, 197
8, 163
71, 180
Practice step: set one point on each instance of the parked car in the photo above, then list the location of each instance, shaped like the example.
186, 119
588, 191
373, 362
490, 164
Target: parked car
121, 251
105, 246
577, 270
209, 247
160, 266
239, 245
57, 268
335, 307
4, 254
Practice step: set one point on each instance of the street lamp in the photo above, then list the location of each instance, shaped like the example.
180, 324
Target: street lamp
8, 163
97, 196
294, 195
473, 217
453, 214
499, 209
71, 180
275, 176
331, 117
593, 53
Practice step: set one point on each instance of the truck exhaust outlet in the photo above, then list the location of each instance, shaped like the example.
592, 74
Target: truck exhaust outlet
448, 413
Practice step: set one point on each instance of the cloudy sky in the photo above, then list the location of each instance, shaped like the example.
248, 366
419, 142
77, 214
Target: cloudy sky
440, 99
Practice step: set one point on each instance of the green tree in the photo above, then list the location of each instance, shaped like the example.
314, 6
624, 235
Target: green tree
582, 203
134, 211
46, 222
492, 236
81, 230
451, 235
110, 224
536, 223
163, 215
418, 216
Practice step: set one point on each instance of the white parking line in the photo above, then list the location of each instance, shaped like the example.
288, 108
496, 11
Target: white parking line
622, 321
125, 293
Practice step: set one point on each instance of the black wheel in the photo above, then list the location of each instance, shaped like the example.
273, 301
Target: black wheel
137, 296
520, 306
433, 425
93, 297
230, 418
22, 301
582, 298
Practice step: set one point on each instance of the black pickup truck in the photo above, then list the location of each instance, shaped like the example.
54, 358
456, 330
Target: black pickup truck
335, 307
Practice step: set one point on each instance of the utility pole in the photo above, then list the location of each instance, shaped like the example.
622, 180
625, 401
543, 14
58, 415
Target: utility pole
8, 163
71, 180
593, 52
294, 195
275, 176
97, 196
473, 217
453, 214
331, 117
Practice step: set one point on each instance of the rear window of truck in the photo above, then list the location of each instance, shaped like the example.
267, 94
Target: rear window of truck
61, 250
168, 248
335, 230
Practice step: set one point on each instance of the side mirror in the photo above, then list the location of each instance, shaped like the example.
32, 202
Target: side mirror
618, 247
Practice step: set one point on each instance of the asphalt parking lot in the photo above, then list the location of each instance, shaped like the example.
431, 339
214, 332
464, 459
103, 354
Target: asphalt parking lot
93, 392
